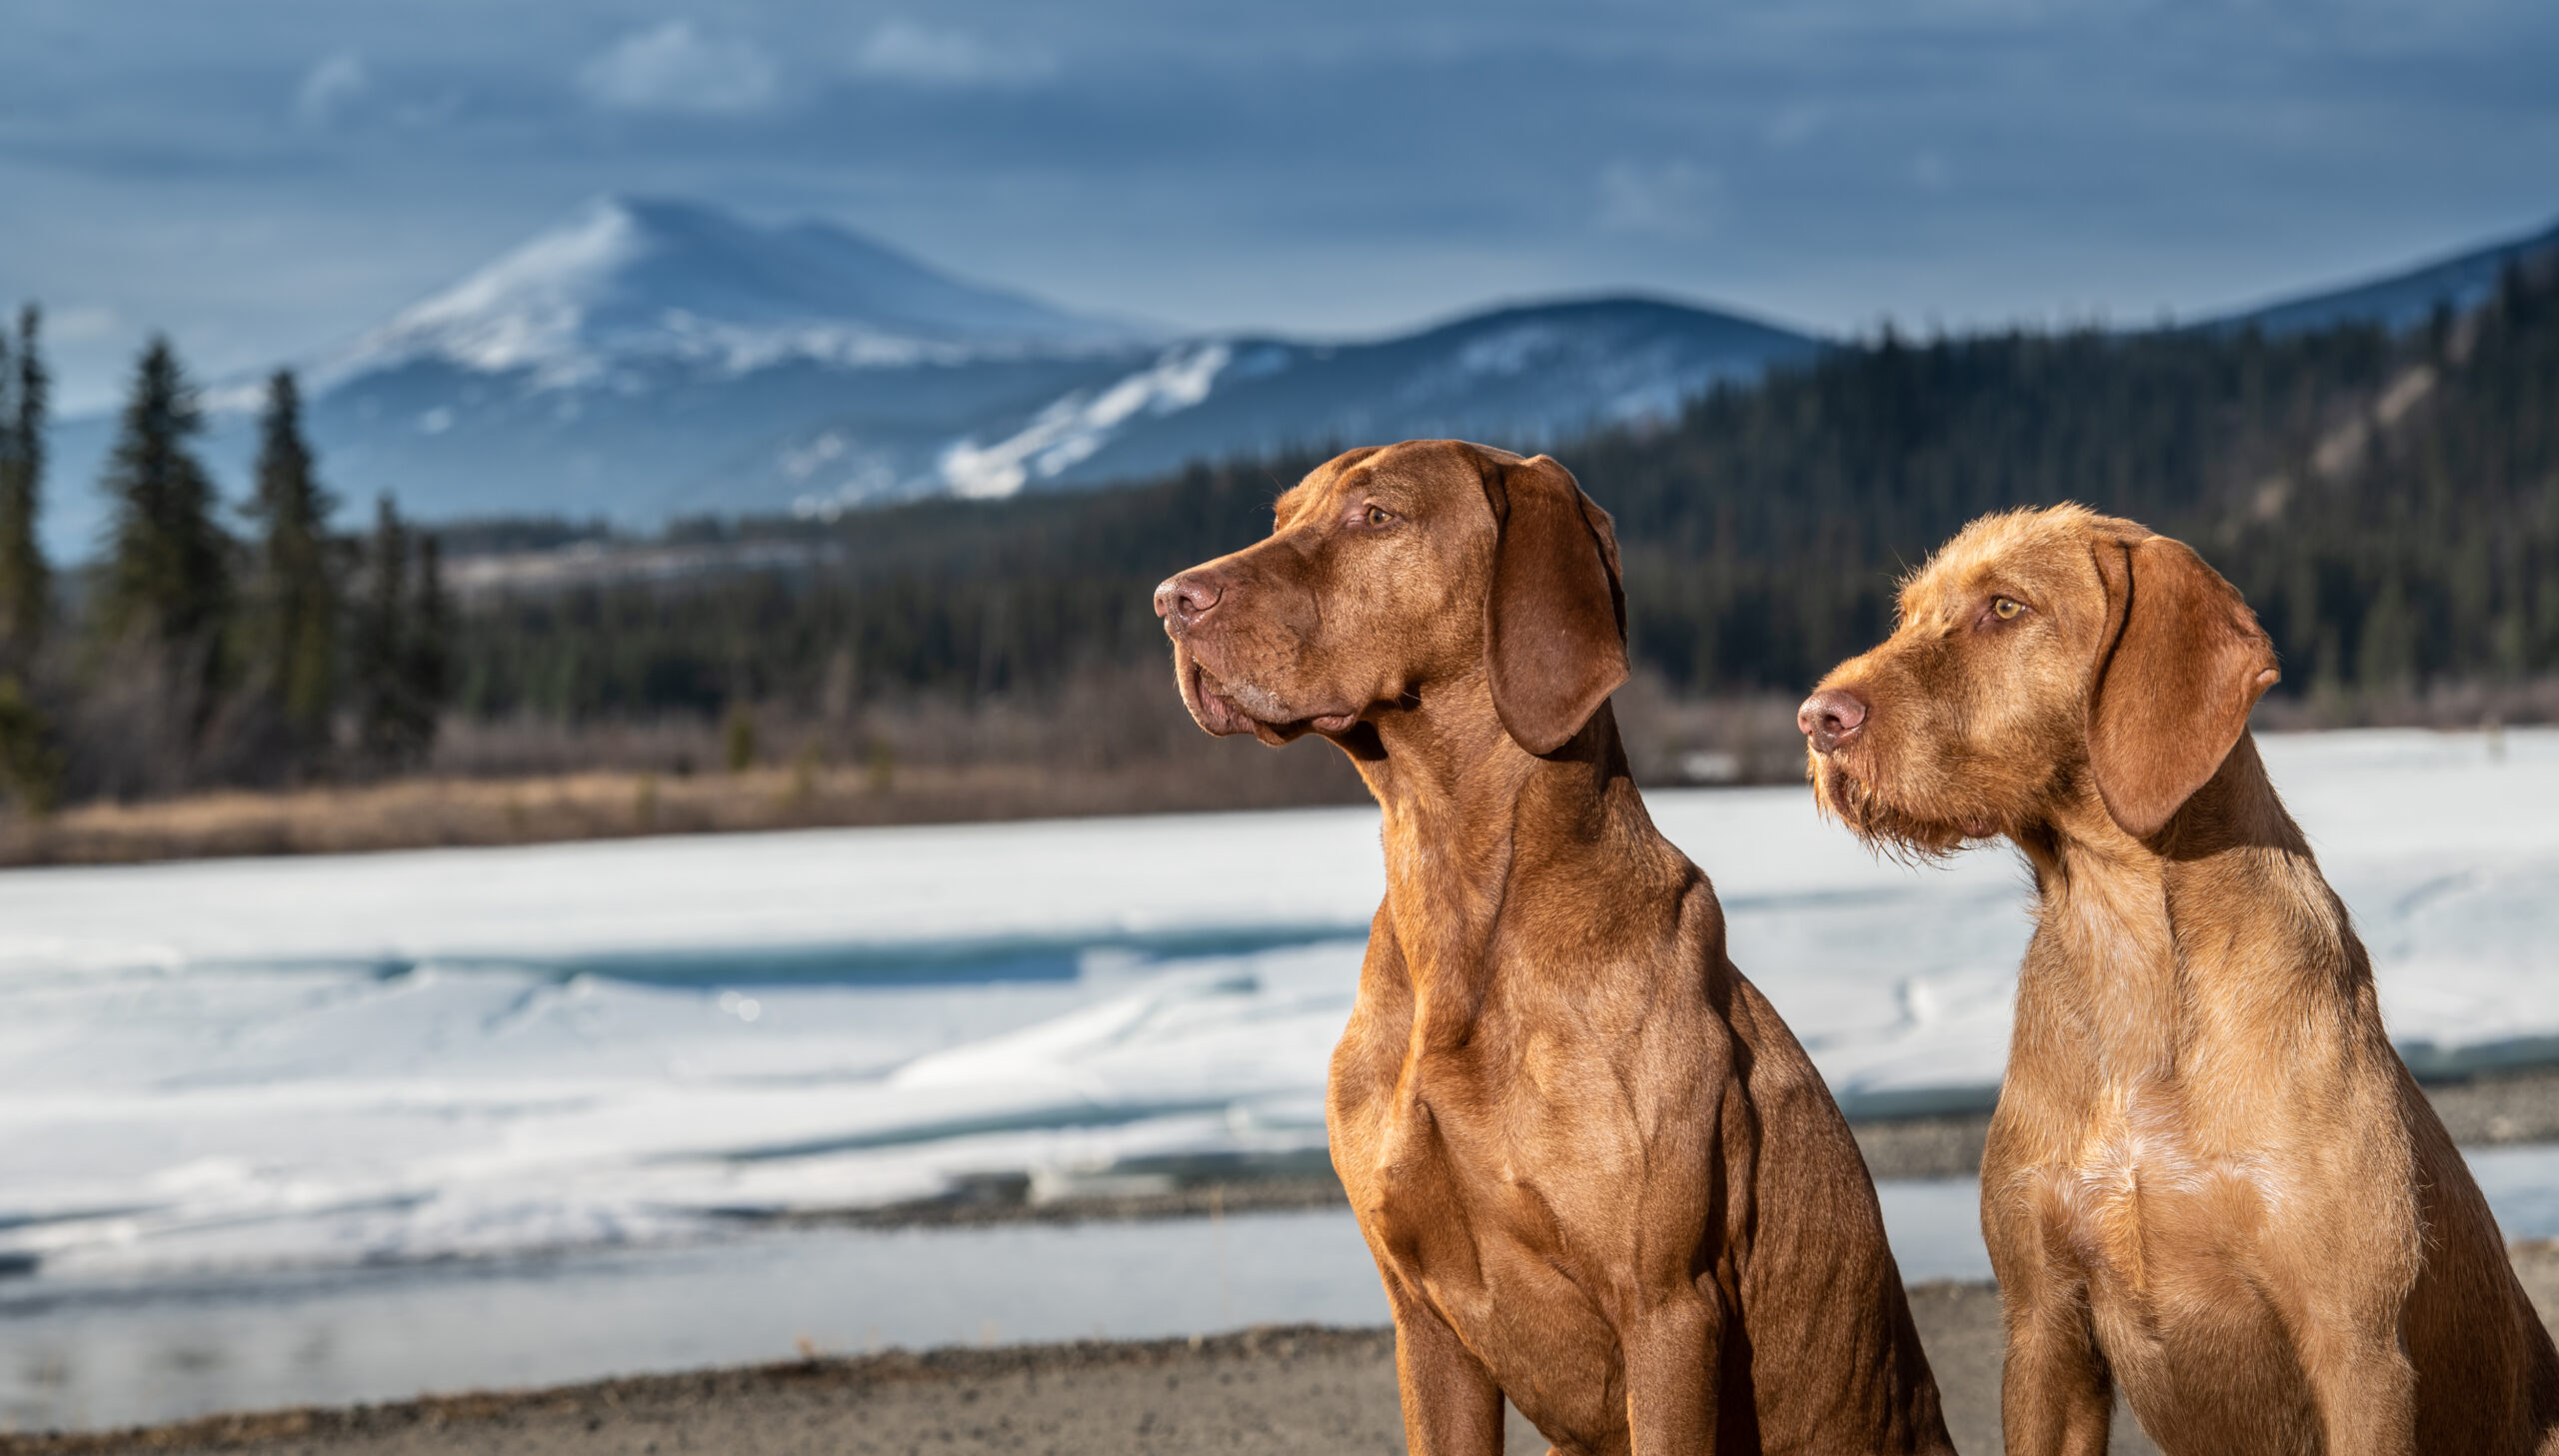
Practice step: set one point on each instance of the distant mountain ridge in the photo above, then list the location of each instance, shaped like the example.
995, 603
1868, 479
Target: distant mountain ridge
650, 358
2399, 301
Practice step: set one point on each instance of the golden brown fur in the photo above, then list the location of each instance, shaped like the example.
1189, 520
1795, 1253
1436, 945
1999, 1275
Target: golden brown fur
2210, 1181
1597, 1173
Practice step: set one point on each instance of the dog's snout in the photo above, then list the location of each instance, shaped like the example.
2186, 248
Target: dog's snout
1183, 599
1830, 718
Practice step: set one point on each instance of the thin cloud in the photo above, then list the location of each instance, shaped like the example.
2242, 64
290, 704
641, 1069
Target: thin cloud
903, 51
329, 88
1675, 199
1931, 172
675, 69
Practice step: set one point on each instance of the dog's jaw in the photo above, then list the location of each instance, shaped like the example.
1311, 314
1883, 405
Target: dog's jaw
1224, 707
1869, 811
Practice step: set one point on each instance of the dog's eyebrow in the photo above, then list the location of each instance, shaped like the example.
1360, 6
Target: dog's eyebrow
1289, 499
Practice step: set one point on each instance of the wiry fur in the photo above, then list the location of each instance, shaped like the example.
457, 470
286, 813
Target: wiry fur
2210, 1181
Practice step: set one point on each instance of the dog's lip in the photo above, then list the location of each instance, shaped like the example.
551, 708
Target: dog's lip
1206, 689
1219, 712
1847, 782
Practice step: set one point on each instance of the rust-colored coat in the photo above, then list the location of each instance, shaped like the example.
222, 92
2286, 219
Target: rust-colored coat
2210, 1181
1598, 1174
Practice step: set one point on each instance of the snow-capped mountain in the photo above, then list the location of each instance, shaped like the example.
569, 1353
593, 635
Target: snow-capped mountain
651, 359
637, 280
1524, 375
648, 360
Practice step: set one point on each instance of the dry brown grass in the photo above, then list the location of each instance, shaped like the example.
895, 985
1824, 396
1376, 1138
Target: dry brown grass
426, 812
1116, 743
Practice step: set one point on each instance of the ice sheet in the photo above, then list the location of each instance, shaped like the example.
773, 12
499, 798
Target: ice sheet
247, 1064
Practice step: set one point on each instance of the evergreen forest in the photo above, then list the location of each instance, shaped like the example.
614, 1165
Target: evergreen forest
2388, 503
202, 646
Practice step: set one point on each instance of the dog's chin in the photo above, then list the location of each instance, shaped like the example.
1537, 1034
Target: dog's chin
1878, 816
1222, 711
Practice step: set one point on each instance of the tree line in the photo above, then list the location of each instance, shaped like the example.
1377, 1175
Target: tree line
186, 652
2388, 503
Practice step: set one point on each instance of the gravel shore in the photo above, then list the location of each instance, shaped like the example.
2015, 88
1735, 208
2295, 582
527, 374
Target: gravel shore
1262, 1391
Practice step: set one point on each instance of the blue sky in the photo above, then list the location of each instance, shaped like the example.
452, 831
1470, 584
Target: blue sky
264, 177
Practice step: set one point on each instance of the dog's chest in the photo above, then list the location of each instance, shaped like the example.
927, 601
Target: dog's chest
2157, 1222
1527, 1148
1506, 1179
1512, 1225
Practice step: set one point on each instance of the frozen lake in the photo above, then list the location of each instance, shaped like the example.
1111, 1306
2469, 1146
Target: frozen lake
267, 1086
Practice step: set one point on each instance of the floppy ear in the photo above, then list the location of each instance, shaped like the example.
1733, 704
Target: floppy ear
2185, 662
1556, 614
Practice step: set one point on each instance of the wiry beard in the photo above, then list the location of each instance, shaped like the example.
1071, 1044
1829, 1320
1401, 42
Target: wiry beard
1883, 825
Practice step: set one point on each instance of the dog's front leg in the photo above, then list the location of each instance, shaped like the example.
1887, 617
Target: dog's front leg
2346, 1313
1674, 1361
2056, 1391
2365, 1387
1451, 1407
2055, 1395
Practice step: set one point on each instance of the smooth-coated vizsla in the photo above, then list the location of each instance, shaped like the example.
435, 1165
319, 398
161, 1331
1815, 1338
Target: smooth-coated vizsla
2210, 1181
1598, 1174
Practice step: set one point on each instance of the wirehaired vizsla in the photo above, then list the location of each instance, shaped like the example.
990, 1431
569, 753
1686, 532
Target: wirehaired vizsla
1597, 1173
2210, 1181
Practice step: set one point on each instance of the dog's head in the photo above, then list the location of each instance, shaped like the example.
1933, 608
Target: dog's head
2041, 657
1391, 572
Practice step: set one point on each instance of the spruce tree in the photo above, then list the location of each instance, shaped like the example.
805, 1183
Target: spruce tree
429, 654
166, 579
164, 568
26, 584
294, 639
386, 715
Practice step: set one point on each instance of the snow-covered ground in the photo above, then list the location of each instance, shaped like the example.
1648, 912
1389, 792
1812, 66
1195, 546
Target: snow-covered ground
227, 1068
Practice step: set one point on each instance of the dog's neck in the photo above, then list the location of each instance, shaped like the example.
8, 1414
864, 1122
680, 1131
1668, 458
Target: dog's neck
1477, 829
2159, 939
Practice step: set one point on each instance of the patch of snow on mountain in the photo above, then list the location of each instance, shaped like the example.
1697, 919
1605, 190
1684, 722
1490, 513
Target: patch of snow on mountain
521, 311
1071, 429
1511, 351
650, 281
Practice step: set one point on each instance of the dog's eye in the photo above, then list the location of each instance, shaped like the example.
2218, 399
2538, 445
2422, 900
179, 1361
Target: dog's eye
1378, 516
2006, 608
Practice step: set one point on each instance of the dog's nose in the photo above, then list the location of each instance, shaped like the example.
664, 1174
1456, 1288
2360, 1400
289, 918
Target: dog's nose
1183, 599
1830, 718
